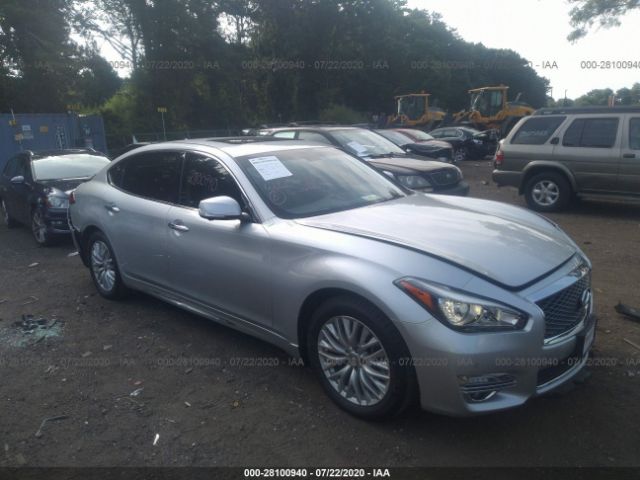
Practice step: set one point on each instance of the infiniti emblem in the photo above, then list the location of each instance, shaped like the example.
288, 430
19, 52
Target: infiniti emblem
585, 300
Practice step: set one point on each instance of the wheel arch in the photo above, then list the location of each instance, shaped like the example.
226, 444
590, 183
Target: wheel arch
85, 235
313, 301
536, 168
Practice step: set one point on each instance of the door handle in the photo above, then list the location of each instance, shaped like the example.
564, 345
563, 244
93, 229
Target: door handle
179, 227
112, 207
629, 155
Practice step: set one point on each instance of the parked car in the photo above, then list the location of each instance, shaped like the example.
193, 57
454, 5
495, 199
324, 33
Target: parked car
412, 172
468, 143
470, 305
127, 148
430, 147
558, 154
34, 188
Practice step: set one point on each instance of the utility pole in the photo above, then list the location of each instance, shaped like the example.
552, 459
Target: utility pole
162, 111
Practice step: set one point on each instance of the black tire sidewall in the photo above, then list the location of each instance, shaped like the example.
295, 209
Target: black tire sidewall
119, 290
47, 236
563, 186
402, 384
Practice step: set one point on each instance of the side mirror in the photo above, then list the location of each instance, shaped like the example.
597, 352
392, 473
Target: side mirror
221, 208
17, 180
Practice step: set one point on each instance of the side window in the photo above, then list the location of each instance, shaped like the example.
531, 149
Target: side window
592, 133
204, 177
634, 134
291, 134
154, 175
313, 137
536, 131
572, 135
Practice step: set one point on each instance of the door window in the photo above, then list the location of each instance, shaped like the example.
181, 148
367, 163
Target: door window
204, 177
634, 134
153, 175
537, 130
591, 133
16, 166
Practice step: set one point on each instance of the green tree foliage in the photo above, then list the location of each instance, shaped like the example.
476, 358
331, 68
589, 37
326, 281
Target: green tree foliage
234, 63
604, 13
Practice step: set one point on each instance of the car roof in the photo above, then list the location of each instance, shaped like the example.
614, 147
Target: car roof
321, 128
237, 146
591, 110
40, 154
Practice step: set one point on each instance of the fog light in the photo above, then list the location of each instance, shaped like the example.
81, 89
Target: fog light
485, 387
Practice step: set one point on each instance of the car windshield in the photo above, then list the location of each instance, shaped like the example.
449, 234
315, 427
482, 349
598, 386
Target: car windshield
420, 135
314, 181
396, 137
365, 143
81, 165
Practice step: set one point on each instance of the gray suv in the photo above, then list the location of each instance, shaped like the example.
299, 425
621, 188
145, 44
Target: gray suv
389, 294
557, 154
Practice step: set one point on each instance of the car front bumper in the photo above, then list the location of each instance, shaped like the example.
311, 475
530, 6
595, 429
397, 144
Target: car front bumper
460, 189
472, 374
56, 221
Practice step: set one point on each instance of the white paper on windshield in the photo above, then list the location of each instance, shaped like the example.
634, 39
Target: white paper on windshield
358, 147
270, 168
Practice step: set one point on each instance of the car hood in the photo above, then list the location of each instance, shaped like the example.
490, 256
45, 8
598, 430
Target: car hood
503, 244
408, 165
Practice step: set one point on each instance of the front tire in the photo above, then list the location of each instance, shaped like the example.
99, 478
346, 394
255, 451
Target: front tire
39, 229
460, 155
104, 268
360, 358
548, 192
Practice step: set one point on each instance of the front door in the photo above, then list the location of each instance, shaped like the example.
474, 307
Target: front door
223, 264
629, 176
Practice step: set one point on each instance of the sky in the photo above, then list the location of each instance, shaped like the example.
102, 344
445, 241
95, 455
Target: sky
537, 30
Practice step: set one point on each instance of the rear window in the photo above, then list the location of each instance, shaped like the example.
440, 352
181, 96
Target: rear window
536, 131
591, 133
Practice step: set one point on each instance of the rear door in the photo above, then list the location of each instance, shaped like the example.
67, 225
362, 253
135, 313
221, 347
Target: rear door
629, 175
146, 185
590, 147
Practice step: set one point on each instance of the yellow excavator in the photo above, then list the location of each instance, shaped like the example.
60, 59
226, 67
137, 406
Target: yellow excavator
413, 110
490, 110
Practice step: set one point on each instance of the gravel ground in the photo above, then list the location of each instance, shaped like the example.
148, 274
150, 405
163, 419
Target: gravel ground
115, 378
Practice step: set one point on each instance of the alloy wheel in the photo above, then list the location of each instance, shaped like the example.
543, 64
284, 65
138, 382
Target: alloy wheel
354, 361
545, 193
103, 266
38, 227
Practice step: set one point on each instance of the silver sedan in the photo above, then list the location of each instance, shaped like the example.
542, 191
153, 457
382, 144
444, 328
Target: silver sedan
468, 306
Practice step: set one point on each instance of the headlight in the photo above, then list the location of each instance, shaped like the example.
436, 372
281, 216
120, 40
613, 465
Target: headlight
57, 201
461, 311
413, 181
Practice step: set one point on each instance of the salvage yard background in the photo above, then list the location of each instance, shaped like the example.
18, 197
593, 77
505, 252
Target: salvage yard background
140, 383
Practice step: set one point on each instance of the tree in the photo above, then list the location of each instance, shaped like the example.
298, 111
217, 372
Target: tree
605, 13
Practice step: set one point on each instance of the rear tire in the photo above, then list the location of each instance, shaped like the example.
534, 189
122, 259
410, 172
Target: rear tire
104, 268
548, 192
6, 218
460, 155
367, 373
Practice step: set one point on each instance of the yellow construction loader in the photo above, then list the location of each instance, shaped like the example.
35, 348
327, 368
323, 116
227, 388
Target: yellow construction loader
413, 110
489, 109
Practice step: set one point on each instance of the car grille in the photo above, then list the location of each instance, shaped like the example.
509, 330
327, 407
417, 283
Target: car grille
565, 309
445, 178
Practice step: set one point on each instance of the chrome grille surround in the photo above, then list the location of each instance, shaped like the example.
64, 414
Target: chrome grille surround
566, 308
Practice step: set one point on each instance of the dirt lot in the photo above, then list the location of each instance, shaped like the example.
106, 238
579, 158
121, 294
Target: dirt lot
207, 410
